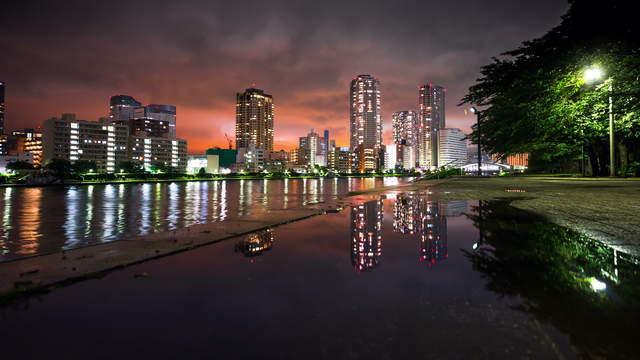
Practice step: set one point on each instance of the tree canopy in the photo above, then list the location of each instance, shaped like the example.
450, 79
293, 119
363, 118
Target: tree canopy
536, 100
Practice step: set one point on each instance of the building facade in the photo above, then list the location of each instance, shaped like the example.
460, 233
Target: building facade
122, 107
2, 86
405, 137
365, 113
431, 111
155, 120
71, 139
158, 152
452, 148
27, 140
3, 140
109, 144
254, 119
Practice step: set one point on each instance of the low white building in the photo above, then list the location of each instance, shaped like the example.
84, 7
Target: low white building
452, 148
251, 158
20, 156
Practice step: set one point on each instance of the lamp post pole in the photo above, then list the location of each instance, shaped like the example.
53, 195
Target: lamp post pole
479, 150
594, 73
612, 158
477, 112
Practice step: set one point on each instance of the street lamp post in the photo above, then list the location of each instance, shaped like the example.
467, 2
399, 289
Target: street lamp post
477, 112
593, 74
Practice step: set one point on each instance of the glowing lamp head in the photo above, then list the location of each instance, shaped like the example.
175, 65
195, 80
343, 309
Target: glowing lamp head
593, 74
473, 110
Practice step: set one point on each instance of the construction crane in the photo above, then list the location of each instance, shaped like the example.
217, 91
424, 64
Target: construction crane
229, 140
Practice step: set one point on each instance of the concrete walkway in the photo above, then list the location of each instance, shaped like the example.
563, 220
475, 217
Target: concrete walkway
603, 209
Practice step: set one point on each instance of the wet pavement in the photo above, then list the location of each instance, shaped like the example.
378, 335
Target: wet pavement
395, 277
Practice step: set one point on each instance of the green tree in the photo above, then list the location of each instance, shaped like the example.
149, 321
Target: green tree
59, 167
130, 167
19, 165
202, 173
536, 99
83, 166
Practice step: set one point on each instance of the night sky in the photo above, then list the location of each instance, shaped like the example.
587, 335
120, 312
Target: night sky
71, 56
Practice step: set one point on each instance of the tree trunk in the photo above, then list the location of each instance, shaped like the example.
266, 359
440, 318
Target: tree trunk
593, 160
624, 156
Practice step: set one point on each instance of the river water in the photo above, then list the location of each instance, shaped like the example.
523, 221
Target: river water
40, 220
398, 277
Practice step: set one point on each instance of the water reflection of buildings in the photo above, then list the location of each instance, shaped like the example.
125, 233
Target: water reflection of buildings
416, 215
366, 235
256, 243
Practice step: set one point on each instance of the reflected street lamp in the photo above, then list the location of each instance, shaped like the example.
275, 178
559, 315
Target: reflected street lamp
477, 112
594, 74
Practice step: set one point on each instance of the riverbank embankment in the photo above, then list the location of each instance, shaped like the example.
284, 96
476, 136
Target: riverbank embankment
605, 209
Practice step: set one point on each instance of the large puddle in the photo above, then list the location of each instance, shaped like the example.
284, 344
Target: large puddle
393, 278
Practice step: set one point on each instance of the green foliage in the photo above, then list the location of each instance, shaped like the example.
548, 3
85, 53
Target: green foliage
59, 167
202, 173
550, 269
536, 100
130, 167
19, 165
84, 166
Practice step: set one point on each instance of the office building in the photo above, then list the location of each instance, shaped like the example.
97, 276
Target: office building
254, 119
27, 140
250, 158
154, 120
109, 144
71, 139
431, 115
367, 159
158, 152
341, 159
452, 148
121, 108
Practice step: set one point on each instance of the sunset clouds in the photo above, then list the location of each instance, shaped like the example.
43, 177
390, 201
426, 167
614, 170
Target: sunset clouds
72, 56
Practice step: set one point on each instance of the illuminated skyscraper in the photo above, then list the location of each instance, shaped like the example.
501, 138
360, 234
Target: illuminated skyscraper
2, 139
405, 137
365, 115
366, 235
431, 119
254, 119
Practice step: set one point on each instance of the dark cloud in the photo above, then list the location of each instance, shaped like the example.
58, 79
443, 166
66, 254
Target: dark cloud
72, 55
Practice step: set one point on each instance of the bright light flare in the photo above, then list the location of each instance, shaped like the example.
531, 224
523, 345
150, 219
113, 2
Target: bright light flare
597, 285
593, 74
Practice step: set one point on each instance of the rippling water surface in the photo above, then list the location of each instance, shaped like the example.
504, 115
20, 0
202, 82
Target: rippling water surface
41, 220
399, 277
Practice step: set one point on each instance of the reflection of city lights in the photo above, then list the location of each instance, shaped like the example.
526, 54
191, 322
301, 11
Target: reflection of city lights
256, 243
415, 214
597, 285
366, 235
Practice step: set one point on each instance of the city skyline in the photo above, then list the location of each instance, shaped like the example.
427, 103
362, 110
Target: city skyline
304, 62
